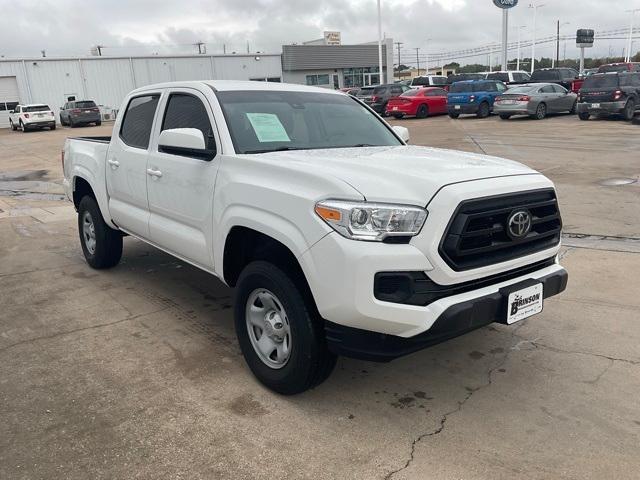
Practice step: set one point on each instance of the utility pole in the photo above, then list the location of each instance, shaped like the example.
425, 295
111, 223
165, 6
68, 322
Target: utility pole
426, 60
399, 44
417, 49
519, 54
557, 45
200, 46
633, 12
533, 45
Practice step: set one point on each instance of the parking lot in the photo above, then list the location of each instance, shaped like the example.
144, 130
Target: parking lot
136, 372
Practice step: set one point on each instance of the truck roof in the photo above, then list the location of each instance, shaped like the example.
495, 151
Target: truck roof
238, 85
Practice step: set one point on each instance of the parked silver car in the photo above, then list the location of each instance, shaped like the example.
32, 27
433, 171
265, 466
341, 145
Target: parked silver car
535, 100
80, 112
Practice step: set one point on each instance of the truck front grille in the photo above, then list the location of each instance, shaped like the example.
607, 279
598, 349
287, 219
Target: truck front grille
479, 235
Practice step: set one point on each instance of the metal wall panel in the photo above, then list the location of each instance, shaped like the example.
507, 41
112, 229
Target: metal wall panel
319, 57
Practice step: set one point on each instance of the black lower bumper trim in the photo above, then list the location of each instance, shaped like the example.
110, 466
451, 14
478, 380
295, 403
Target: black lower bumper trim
455, 321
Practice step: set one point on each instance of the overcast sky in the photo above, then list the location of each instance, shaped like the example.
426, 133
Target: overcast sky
71, 27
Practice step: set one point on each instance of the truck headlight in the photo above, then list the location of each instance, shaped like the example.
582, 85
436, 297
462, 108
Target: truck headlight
371, 221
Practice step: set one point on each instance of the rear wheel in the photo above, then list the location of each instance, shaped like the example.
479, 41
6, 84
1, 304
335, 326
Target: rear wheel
629, 110
541, 112
279, 332
484, 110
13, 127
454, 115
101, 245
98, 123
584, 116
505, 116
423, 111
71, 123
23, 127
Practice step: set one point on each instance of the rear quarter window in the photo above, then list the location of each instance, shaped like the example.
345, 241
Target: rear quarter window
138, 120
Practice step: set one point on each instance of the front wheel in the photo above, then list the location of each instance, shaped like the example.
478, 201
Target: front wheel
279, 332
505, 116
541, 112
454, 115
13, 126
629, 110
101, 245
584, 116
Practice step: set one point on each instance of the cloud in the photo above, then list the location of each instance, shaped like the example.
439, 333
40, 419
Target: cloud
71, 27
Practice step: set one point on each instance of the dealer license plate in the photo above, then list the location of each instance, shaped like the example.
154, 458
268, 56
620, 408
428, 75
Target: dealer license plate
507, 102
395, 108
457, 107
525, 303
595, 105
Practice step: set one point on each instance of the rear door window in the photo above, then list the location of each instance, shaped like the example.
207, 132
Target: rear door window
138, 120
547, 89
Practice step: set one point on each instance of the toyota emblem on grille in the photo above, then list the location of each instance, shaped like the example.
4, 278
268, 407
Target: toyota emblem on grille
519, 224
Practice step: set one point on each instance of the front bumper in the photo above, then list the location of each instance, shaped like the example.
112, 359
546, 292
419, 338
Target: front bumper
456, 320
609, 108
463, 109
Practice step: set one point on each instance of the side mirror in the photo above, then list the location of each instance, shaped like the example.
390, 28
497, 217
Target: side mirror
186, 142
402, 132
11, 111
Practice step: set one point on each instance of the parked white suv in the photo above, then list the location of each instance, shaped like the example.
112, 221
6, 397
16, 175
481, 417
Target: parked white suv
428, 81
28, 117
337, 236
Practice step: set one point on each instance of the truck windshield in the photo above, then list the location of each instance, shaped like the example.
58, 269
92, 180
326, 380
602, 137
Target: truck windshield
601, 81
269, 121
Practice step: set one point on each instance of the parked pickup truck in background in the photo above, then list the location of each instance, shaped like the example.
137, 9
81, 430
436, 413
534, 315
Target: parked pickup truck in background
339, 238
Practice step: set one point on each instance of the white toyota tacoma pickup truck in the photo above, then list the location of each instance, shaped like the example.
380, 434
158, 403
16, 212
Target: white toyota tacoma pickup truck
339, 238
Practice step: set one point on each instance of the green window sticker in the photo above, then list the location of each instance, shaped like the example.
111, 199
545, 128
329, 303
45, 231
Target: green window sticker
268, 127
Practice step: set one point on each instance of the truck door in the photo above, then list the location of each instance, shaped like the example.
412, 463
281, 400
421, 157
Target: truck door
126, 168
180, 188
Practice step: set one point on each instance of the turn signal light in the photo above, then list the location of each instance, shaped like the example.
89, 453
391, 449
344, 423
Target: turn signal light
329, 214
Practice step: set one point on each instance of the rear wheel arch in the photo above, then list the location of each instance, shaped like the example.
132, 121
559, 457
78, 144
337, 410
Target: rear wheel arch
81, 188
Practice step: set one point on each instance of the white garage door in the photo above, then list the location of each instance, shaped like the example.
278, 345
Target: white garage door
9, 98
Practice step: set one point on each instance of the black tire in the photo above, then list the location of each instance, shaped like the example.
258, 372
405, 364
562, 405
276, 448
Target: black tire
584, 116
574, 108
505, 116
454, 115
107, 250
309, 362
423, 111
52, 127
629, 110
98, 123
541, 112
13, 127
22, 127
71, 123
484, 110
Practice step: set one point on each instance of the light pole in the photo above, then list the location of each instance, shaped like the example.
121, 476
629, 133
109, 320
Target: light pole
533, 45
518, 61
633, 12
379, 44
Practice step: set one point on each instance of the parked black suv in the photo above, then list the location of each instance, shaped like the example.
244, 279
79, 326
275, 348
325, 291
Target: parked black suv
561, 76
382, 94
610, 94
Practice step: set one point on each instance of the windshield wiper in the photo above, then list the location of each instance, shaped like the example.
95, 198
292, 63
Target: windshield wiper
279, 149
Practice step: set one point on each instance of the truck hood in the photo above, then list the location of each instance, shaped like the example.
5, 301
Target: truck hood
403, 174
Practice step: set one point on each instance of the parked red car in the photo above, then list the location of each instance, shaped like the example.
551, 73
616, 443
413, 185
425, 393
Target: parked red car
419, 103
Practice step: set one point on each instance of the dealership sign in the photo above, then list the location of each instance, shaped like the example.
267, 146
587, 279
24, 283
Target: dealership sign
505, 3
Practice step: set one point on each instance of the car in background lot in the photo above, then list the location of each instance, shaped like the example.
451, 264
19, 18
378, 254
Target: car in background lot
364, 94
474, 97
429, 81
619, 67
535, 100
382, 94
510, 77
561, 76
29, 117
463, 77
419, 103
80, 112
610, 94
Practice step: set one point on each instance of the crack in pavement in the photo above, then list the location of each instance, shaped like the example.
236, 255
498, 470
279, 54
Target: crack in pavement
76, 330
461, 403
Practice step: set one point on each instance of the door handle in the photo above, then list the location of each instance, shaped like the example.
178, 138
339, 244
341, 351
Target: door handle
114, 163
154, 173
